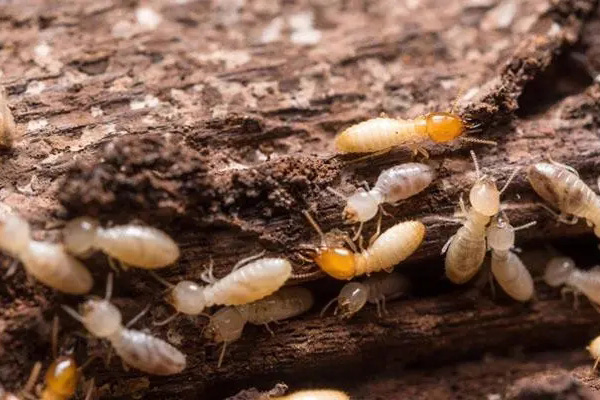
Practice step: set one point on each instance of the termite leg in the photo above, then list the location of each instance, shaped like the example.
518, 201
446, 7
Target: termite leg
268, 328
335, 192
463, 208
113, 265
365, 185
560, 217
377, 231
54, 337
246, 260
166, 320
90, 391
371, 155
383, 308
378, 307
358, 232
35, 373
327, 306
222, 355
12, 268
138, 316
595, 365
387, 213
447, 244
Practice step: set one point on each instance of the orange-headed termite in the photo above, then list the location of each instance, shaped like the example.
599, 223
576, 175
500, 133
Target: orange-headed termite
227, 324
508, 269
466, 249
386, 251
136, 348
49, 263
560, 186
376, 289
134, 245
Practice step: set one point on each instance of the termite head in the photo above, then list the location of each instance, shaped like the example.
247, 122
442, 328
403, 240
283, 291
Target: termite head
360, 207
443, 126
337, 262
187, 297
62, 376
485, 196
500, 234
101, 317
79, 235
226, 325
594, 347
14, 234
558, 271
352, 299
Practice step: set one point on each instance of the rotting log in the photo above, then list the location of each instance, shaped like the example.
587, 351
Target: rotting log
200, 130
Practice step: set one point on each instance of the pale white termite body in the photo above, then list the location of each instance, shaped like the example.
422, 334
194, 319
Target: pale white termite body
376, 289
465, 251
508, 269
315, 394
594, 349
47, 262
562, 271
8, 129
137, 349
4, 395
246, 284
134, 245
564, 190
394, 184
227, 324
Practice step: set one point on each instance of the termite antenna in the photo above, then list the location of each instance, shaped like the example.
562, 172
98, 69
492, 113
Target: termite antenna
35, 373
510, 178
565, 166
477, 170
138, 317
72, 313
109, 287
315, 225
166, 320
55, 337
168, 284
327, 306
475, 140
525, 226
222, 355
335, 192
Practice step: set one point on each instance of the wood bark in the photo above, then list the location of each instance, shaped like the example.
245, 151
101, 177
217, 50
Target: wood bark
202, 128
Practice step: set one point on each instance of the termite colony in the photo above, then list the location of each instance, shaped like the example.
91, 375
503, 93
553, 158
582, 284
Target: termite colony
254, 290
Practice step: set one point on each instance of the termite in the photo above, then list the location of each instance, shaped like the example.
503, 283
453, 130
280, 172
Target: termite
8, 129
134, 245
376, 289
561, 186
386, 251
315, 394
594, 349
383, 133
466, 249
394, 184
251, 279
508, 269
136, 348
562, 271
227, 324
49, 263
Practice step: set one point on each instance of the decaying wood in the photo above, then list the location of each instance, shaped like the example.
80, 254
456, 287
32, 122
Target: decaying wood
204, 128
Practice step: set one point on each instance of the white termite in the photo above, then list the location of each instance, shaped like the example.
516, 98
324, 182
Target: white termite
246, 283
49, 263
562, 271
227, 324
315, 394
8, 129
137, 349
134, 245
393, 185
376, 289
594, 349
466, 249
508, 269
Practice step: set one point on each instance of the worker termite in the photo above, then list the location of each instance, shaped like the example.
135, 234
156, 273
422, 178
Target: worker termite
594, 349
138, 246
376, 289
47, 262
508, 269
8, 129
560, 186
380, 134
251, 279
315, 394
561, 271
227, 324
466, 249
137, 349
394, 184
386, 251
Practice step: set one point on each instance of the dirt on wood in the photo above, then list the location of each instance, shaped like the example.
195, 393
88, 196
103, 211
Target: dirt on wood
215, 122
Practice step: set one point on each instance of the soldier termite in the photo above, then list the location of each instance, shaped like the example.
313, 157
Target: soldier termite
560, 186
138, 246
394, 184
380, 134
227, 324
315, 394
250, 280
508, 269
562, 271
137, 349
8, 129
386, 251
466, 249
376, 289
47, 262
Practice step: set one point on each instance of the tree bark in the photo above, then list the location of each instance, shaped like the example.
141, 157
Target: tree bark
202, 128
